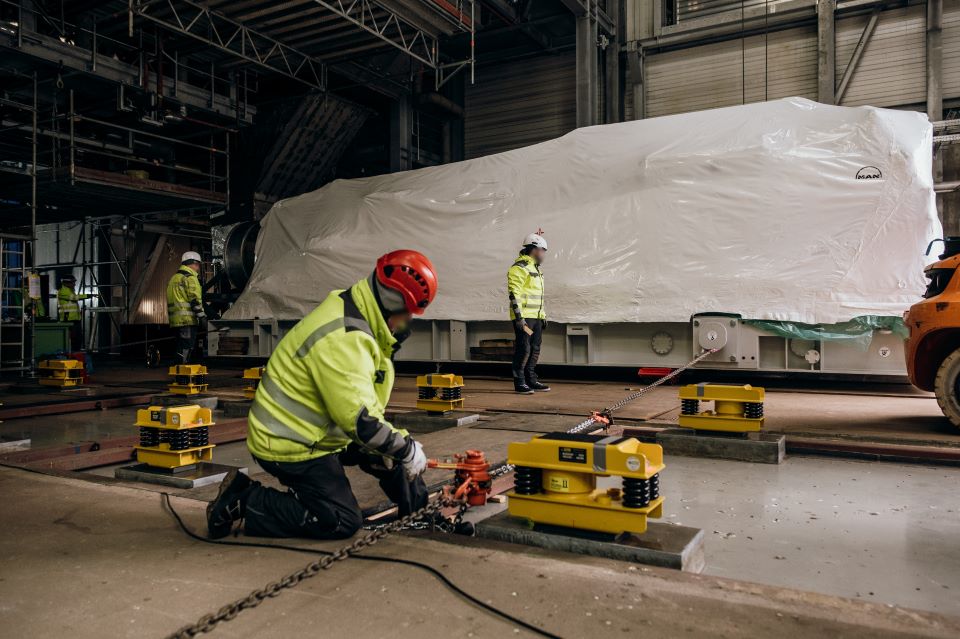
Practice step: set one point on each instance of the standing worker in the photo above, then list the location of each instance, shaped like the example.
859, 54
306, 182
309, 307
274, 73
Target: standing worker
320, 406
525, 285
68, 309
185, 304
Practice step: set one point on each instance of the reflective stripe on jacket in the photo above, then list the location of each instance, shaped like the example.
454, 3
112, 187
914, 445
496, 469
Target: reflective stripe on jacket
183, 296
327, 384
67, 308
525, 286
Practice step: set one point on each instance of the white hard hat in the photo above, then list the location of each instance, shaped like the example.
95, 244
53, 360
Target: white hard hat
190, 256
535, 239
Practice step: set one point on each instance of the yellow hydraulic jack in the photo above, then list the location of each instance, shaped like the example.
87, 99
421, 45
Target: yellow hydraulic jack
174, 438
439, 393
736, 409
253, 377
188, 379
555, 482
64, 373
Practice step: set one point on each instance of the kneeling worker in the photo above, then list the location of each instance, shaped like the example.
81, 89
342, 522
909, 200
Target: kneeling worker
319, 407
525, 287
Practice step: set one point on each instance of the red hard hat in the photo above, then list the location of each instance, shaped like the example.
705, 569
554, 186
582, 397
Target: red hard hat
410, 273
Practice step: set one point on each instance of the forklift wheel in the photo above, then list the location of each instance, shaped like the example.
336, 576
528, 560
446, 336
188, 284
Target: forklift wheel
947, 387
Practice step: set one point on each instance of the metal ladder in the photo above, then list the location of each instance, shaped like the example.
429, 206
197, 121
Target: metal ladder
13, 324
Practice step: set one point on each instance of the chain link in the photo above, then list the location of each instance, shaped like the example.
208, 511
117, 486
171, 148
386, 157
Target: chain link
208, 622
503, 469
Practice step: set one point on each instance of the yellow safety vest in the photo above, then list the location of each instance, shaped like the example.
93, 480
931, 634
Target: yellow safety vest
67, 308
183, 294
525, 285
327, 384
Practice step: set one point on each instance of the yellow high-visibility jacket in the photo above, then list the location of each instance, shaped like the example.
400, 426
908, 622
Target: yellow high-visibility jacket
67, 308
184, 297
525, 286
327, 384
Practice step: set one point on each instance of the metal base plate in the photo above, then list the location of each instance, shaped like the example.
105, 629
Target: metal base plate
203, 474
761, 448
420, 421
665, 545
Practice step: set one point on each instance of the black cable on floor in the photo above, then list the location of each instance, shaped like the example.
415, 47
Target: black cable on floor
416, 564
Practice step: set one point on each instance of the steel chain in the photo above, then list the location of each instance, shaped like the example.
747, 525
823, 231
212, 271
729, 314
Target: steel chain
208, 622
590, 421
228, 612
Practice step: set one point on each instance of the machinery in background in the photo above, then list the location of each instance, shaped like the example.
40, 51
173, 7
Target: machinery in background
555, 482
252, 377
438, 394
932, 350
174, 439
736, 409
188, 379
62, 373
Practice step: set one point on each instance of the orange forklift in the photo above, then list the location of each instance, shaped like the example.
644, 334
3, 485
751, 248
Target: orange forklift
933, 348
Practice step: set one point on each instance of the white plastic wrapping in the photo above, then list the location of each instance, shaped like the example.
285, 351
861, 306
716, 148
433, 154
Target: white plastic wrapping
785, 210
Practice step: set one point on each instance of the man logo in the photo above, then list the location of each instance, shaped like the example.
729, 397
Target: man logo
869, 173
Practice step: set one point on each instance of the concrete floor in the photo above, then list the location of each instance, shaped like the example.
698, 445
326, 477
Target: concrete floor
88, 561
827, 525
876, 532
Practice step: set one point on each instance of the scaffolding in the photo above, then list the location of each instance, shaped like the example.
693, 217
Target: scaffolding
14, 306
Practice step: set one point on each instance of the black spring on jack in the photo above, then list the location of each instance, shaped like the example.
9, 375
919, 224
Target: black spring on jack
199, 436
179, 439
527, 480
426, 392
654, 487
149, 436
689, 407
636, 493
448, 394
753, 410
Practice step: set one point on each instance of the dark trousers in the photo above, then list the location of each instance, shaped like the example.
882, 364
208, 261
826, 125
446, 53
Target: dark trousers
320, 503
526, 351
76, 335
186, 341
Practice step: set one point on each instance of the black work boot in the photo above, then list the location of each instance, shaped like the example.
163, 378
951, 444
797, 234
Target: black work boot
538, 386
521, 387
229, 505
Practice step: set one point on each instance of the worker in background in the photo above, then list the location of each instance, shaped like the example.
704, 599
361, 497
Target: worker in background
31, 307
185, 304
525, 287
320, 406
68, 309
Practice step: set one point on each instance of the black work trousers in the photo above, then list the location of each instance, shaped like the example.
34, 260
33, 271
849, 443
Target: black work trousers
320, 503
186, 341
526, 350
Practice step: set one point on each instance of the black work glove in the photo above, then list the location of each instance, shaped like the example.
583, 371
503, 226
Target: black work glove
519, 324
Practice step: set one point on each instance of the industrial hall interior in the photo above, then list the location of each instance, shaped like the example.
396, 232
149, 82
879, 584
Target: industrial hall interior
480, 319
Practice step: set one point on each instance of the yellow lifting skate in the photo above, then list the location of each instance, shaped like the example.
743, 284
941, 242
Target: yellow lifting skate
64, 373
253, 377
175, 437
439, 393
555, 482
736, 409
188, 379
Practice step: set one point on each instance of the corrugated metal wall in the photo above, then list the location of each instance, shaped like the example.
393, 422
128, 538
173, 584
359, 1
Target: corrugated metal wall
757, 68
520, 103
951, 49
892, 71
692, 9
152, 306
